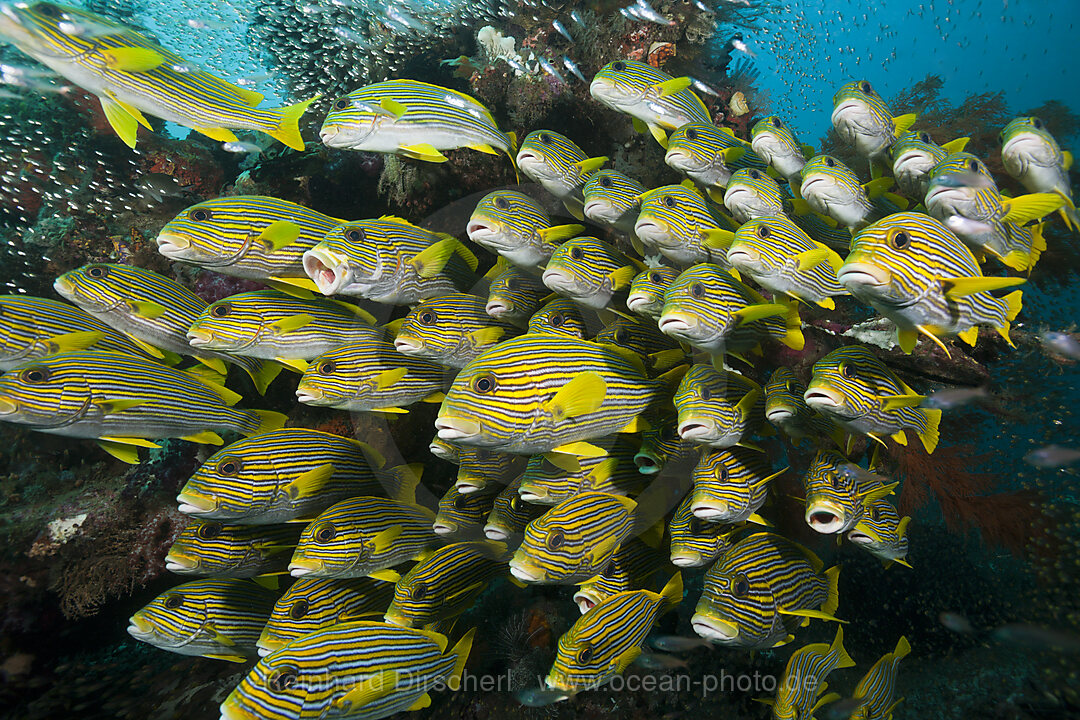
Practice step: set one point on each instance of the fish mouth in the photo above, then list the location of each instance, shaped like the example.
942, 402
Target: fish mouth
301, 567
1015, 144
712, 629
710, 510
326, 269
670, 323
468, 484
649, 229
266, 645
180, 564
596, 209
525, 571
139, 628
63, 286
537, 496
230, 710
824, 517
457, 428
859, 538
637, 302
819, 180
822, 398
327, 134
779, 414
399, 620
496, 309
191, 504
585, 601
309, 395
677, 158
686, 559
695, 430
945, 196
439, 451
442, 527
646, 464
846, 108
911, 157
407, 345
171, 245
556, 280
199, 338
742, 257
863, 274
494, 532
480, 231
7, 407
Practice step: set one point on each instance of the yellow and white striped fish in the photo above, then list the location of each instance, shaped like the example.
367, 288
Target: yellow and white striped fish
590, 271
646, 296
631, 567
661, 446
606, 639
612, 198
786, 409
388, 260
246, 236
675, 221
882, 532
914, 155
415, 119
1032, 156
514, 296
914, 271
863, 121
731, 485
800, 693
123, 402
218, 618
451, 330
560, 316
558, 165
830, 188
130, 74
615, 472
751, 193
370, 376
656, 101
774, 143
718, 408
461, 515
517, 227
837, 493
233, 551
359, 670
510, 514
761, 591
34, 327
316, 604
478, 469
709, 155
877, 689
695, 542
856, 390
286, 474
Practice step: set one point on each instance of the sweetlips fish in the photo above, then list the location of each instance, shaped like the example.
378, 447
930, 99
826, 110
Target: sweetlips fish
786, 409
246, 236
34, 327
446, 583
751, 193
775, 143
709, 155
1032, 156
914, 155
831, 189
917, 273
731, 485
479, 468
123, 402
517, 228
656, 101
800, 693
271, 325
644, 339
414, 119
836, 497
315, 604
462, 515
363, 536
514, 296
611, 635
962, 194
877, 689
234, 551
588, 391
615, 472
715, 313
882, 532
696, 542
451, 330
130, 74
675, 221
612, 199
864, 121
286, 474
155, 310
590, 271
560, 316
630, 569
388, 260
361, 670
218, 618
510, 514
761, 590
853, 388
559, 166
780, 257
370, 375
646, 296
718, 408
661, 446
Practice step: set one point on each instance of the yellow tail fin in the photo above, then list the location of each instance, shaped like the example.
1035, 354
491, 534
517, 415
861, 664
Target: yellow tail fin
930, 436
673, 591
902, 648
461, 654
288, 127
843, 660
1012, 309
833, 600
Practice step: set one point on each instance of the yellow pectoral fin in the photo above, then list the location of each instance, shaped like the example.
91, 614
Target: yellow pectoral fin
582, 395
558, 233
808, 259
132, 59
751, 313
289, 324
895, 402
390, 576
112, 407
280, 233
373, 688
672, 86
389, 378
958, 287
563, 461
310, 482
229, 658
74, 341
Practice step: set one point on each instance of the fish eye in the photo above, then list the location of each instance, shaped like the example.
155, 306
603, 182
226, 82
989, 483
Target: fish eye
576, 252
419, 591
221, 310
874, 514
282, 679
298, 609
697, 290
755, 175
924, 137
199, 215
790, 385
618, 66
668, 433
670, 201
741, 587
513, 284
516, 503
865, 87
776, 122
173, 601
97, 271
899, 239
461, 502
35, 375
484, 383
973, 165
722, 473
47, 9
342, 102
621, 336
706, 394
763, 232
829, 162
228, 466
355, 235
544, 138
208, 531
848, 370
427, 317
558, 320
585, 654
691, 134
1037, 123
605, 181
556, 540
502, 203
655, 277
326, 532
326, 367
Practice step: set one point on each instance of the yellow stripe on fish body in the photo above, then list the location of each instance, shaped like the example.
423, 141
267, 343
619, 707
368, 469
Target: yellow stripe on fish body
606, 639
836, 496
882, 532
830, 188
709, 155
646, 296
558, 165
271, 325
517, 228
612, 198
852, 387
451, 330
650, 96
786, 409
780, 257
34, 327
316, 604
362, 670
536, 393
774, 143
227, 550
120, 398
1033, 157
462, 515
589, 271
718, 408
370, 375
710, 310
751, 194
510, 514
676, 222
730, 485
414, 119
128, 72
615, 473
560, 316
804, 678
760, 591
361, 536
285, 474
633, 564
246, 236
479, 469
217, 618
446, 583
863, 121
917, 273
574, 540
660, 446
695, 542
877, 689
514, 296
388, 260
914, 155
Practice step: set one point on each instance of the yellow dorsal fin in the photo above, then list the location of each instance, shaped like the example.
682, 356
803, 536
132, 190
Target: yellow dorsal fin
558, 233
1020, 210
904, 122
957, 287
750, 313
955, 146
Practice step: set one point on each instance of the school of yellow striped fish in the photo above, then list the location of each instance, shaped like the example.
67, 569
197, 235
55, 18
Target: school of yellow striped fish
561, 435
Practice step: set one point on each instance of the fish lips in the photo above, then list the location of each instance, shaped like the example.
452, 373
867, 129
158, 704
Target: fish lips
309, 395
711, 510
524, 570
779, 414
329, 272
823, 398
650, 231
173, 246
599, 211
180, 564
683, 161
408, 345
139, 628
586, 600
495, 532
8, 407
742, 258
697, 430
676, 324
687, 558
863, 275
714, 630
199, 338
299, 567
825, 517
457, 429
497, 309
191, 504
444, 527
637, 302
